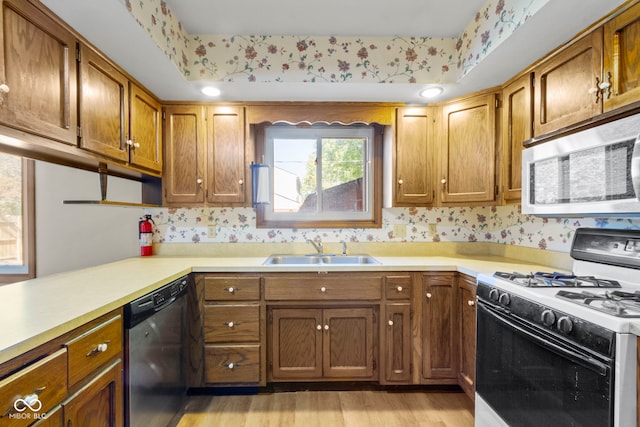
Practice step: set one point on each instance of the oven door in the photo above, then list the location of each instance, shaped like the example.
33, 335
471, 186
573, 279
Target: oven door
532, 378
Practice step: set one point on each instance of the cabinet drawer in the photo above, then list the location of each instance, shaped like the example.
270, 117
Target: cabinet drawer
323, 288
47, 378
398, 287
232, 364
231, 288
231, 323
94, 348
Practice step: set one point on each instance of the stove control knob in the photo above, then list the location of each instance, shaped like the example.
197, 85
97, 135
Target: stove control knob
548, 317
505, 299
494, 294
565, 324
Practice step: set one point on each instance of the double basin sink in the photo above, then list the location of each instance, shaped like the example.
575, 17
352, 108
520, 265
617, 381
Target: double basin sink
321, 259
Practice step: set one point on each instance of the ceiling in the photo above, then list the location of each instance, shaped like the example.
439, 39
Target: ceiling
111, 28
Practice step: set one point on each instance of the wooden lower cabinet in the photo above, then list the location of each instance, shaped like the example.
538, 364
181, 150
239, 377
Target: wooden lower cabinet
99, 403
313, 344
396, 343
439, 327
232, 330
77, 378
467, 334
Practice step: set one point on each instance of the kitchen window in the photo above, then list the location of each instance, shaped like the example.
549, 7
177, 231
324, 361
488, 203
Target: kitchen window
17, 219
322, 176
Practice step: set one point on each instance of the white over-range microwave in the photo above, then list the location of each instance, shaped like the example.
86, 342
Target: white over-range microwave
594, 172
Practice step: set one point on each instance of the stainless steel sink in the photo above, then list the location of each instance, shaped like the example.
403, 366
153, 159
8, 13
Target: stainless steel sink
349, 260
321, 260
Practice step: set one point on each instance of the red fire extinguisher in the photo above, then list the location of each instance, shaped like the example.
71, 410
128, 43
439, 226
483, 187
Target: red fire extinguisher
145, 232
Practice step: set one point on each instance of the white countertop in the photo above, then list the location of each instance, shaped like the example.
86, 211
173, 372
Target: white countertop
36, 311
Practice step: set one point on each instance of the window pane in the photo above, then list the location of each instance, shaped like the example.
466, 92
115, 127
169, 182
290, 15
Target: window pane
294, 174
11, 221
343, 162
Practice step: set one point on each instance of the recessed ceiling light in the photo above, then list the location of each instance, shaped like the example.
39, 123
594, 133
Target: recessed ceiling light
211, 91
431, 92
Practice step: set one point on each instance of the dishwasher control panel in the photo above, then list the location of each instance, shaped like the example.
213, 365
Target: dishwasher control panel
141, 308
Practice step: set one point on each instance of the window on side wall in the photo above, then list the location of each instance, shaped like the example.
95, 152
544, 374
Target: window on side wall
322, 176
17, 218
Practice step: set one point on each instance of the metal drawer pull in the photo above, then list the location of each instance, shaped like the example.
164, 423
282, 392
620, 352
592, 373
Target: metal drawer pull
100, 348
29, 401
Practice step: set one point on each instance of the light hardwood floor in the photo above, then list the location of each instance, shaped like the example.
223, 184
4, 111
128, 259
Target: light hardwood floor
331, 409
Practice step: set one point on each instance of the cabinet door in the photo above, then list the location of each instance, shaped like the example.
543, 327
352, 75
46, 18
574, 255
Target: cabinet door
397, 342
226, 166
100, 402
469, 150
348, 345
621, 55
38, 64
414, 157
296, 343
104, 107
439, 327
467, 334
517, 120
183, 175
565, 85
145, 137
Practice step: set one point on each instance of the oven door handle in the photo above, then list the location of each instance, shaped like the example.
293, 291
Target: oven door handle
575, 356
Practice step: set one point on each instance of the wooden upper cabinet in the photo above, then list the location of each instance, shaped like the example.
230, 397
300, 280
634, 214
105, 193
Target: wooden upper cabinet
145, 136
226, 165
621, 58
38, 67
468, 150
517, 120
566, 85
184, 166
414, 157
104, 107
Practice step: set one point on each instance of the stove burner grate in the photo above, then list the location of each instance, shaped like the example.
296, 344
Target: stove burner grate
544, 279
616, 303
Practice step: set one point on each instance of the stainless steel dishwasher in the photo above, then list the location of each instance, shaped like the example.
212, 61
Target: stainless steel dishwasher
155, 384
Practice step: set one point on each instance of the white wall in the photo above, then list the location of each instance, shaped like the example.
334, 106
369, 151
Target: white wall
70, 237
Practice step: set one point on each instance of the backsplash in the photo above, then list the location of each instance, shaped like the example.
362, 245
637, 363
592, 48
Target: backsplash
495, 224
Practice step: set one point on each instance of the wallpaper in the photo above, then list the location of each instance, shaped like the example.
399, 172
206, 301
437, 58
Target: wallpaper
497, 224
266, 58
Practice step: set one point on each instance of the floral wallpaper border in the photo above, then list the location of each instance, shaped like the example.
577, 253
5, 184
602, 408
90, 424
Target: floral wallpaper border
497, 224
266, 58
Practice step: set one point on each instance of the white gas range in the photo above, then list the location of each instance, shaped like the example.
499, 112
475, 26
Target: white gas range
557, 349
